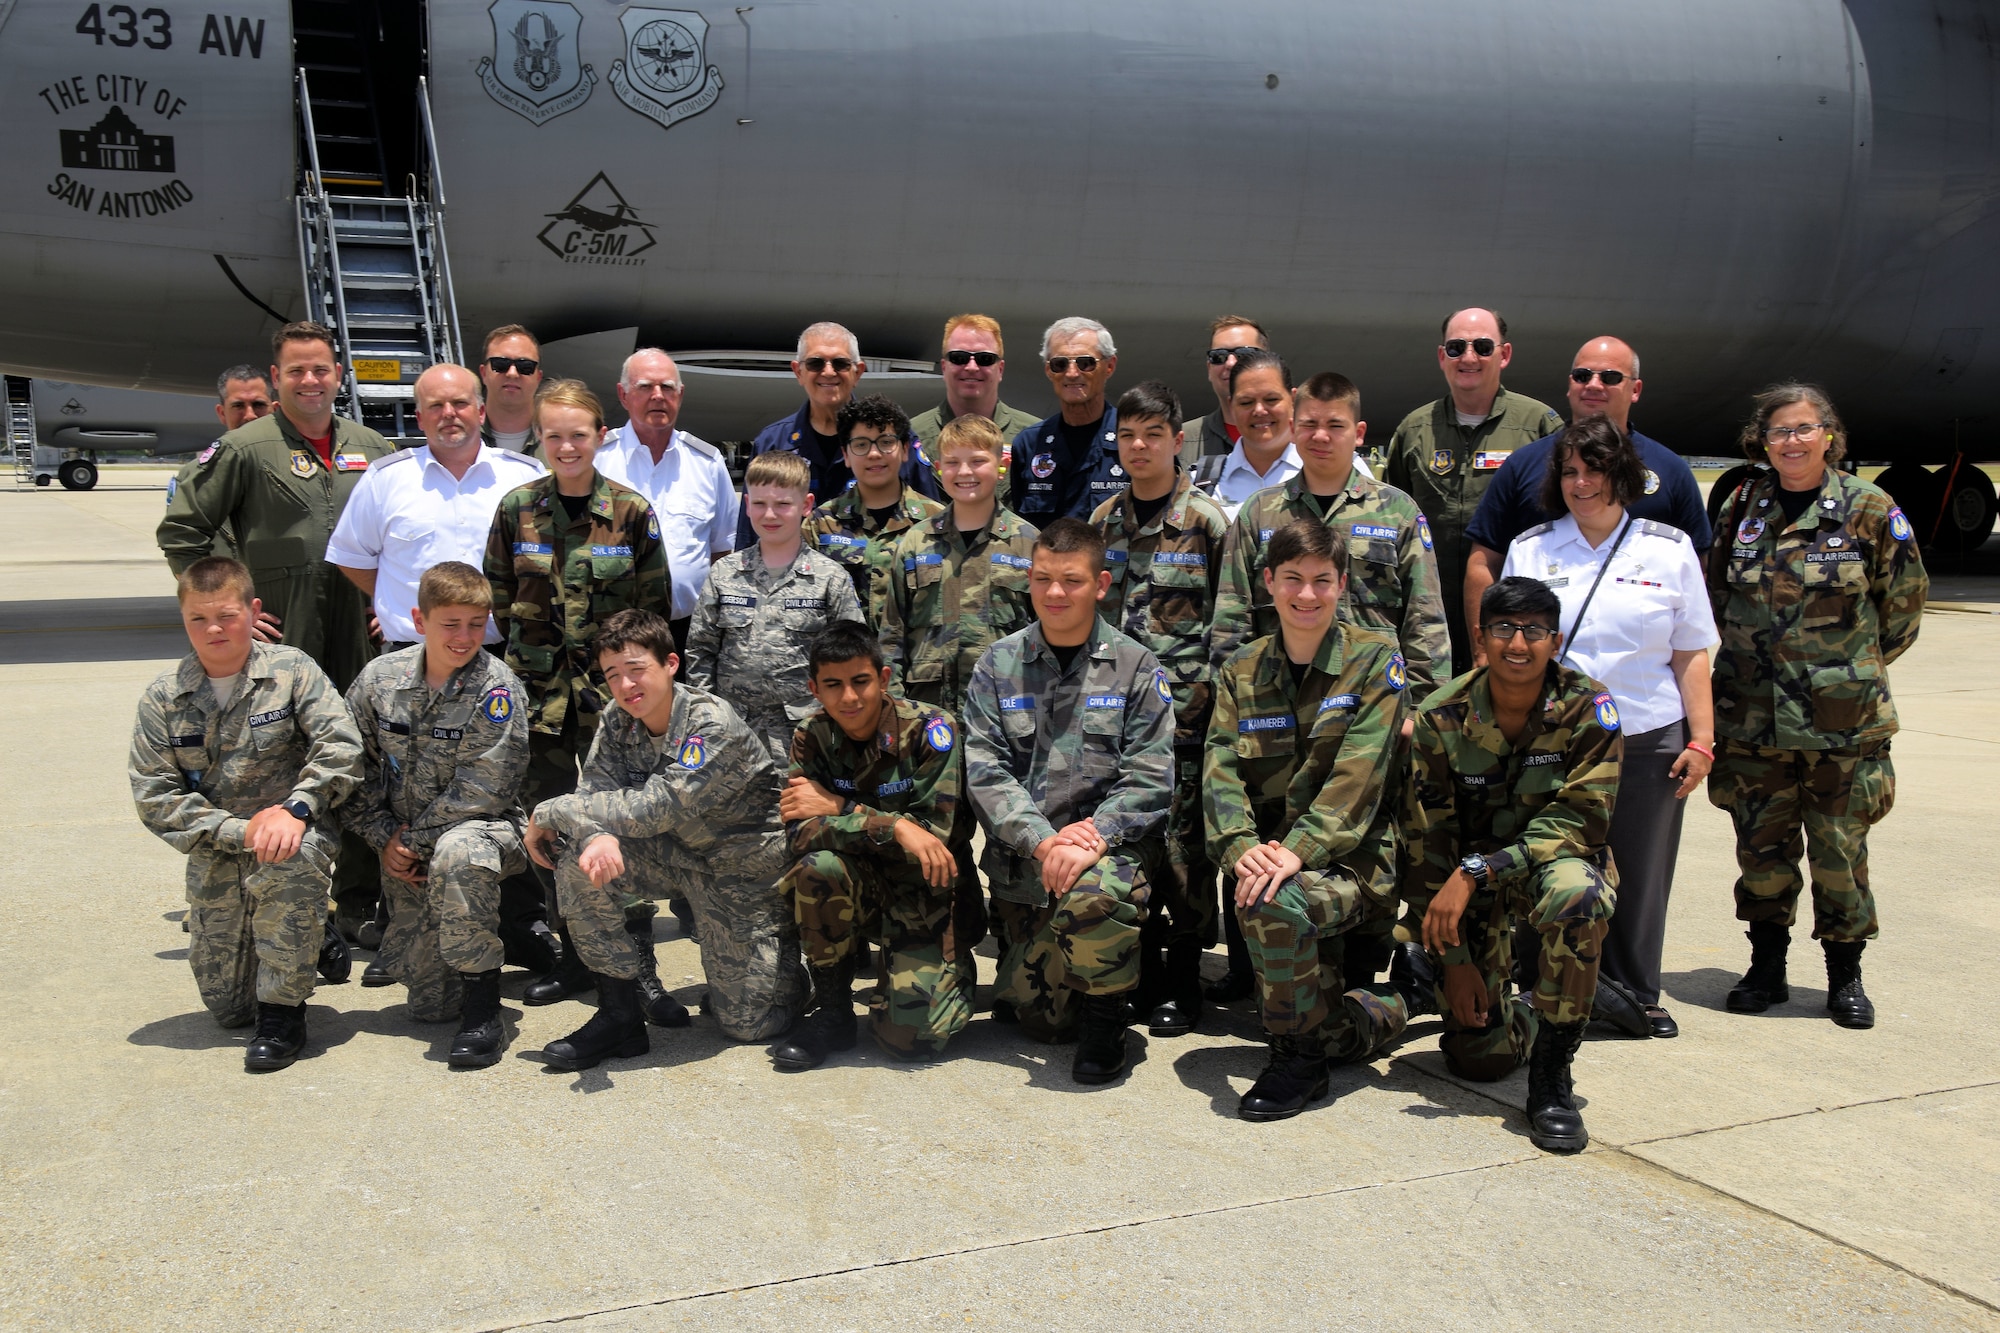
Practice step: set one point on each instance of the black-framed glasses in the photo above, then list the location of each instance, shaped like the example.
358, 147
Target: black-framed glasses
1805, 434
1455, 347
500, 365
840, 364
961, 357
1611, 378
1059, 365
1505, 630
1219, 356
878, 444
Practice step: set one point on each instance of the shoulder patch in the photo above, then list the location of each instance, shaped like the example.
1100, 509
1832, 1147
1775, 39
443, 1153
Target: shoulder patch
1424, 531
1161, 687
652, 525
1899, 526
208, 453
173, 484
1652, 482
1397, 674
498, 705
1607, 712
692, 754
939, 735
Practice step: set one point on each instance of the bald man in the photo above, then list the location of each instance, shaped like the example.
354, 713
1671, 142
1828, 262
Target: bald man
1603, 382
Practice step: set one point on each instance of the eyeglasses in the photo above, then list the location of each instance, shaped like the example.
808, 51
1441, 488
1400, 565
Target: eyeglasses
1455, 347
840, 364
1584, 374
878, 444
960, 357
500, 365
1505, 630
1805, 434
1219, 356
1059, 365
647, 388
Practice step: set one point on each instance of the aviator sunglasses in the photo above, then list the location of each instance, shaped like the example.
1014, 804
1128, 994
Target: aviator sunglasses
1612, 378
961, 358
1455, 347
841, 365
1059, 365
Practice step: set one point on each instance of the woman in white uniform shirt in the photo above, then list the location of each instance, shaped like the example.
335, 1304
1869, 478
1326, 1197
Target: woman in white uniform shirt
1644, 635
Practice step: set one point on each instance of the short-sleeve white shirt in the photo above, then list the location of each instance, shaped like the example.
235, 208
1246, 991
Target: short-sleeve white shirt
1651, 604
408, 513
1239, 481
690, 493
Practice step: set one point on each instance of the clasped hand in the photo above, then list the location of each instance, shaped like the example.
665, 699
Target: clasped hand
1067, 853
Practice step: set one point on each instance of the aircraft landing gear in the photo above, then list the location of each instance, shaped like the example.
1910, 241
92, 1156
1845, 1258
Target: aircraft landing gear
78, 474
1952, 509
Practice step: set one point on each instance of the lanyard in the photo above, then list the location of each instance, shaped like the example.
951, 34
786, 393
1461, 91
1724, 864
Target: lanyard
1577, 624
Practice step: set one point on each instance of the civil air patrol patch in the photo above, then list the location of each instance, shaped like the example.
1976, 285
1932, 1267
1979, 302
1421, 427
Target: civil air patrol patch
1160, 686
940, 736
693, 753
302, 463
652, 525
1012, 561
1440, 461
1043, 466
1748, 531
173, 484
1342, 701
1899, 526
1397, 673
1652, 482
1374, 530
1607, 712
498, 705
208, 453
917, 448
611, 551
1424, 531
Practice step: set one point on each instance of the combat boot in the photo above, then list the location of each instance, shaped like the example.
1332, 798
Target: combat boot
335, 963
1100, 1040
480, 1035
1554, 1123
1179, 1010
1845, 1000
829, 1027
1295, 1077
281, 1036
656, 1002
1617, 1005
1414, 977
1764, 984
378, 973
369, 936
570, 976
616, 1030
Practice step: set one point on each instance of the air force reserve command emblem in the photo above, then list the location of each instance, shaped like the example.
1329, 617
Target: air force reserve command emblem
664, 76
1440, 461
536, 70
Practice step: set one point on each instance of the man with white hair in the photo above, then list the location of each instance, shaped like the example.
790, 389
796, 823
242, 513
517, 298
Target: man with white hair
1067, 465
828, 365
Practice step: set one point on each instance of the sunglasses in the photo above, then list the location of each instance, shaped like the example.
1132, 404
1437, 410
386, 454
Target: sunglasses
840, 364
1505, 630
500, 365
1219, 356
964, 358
1455, 347
1059, 365
1584, 374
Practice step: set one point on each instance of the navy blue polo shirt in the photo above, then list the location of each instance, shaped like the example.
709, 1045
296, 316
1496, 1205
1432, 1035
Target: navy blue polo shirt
1511, 505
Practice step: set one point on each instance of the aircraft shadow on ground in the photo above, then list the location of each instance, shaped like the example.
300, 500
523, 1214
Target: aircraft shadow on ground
1709, 987
93, 629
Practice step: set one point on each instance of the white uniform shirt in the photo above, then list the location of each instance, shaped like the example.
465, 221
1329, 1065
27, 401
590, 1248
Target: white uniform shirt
1651, 604
1239, 481
692, 496
408, 513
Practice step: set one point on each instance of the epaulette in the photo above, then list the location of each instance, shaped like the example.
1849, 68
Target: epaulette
1654, 528
1538, 529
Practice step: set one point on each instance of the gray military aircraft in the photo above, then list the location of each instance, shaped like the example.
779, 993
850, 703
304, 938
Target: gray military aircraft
1745, 189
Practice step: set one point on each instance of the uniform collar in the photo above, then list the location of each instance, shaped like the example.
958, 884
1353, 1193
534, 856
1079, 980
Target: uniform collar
413, 677
1297, 487
1172, 515
190, 679
1483, 730
1099, 643
1239, 459
1275, 667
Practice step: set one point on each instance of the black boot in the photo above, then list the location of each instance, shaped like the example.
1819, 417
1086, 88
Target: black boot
370, 934
615, 1030
829, 1027
1294, 1079
1100, 1040
1845, 1000
281, 1035
377, 973
1413, 976
1617, 1005
480, 1035
1179, 1010
656, 1002
1764, 984
1554, 1123
335, 964
570, 977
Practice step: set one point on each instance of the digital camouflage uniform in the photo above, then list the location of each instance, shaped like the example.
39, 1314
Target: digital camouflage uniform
199, 775
443, 769
1163, 585
1045, 748
695, 809
1540, 813
846, 532
554, 582
1446, 468
1305, 764
853, 884
748, 636
951, 595
1811, 615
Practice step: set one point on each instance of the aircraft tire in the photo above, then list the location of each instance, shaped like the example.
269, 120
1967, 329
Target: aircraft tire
78, 474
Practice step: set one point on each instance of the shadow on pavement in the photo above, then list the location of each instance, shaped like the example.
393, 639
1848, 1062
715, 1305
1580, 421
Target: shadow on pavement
1709, 987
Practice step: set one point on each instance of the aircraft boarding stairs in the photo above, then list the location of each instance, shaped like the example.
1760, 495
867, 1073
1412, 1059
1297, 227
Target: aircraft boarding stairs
21, 428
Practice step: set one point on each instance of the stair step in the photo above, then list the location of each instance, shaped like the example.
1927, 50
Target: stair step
311, 68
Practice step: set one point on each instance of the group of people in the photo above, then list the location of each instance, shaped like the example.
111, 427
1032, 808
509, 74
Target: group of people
1432, 732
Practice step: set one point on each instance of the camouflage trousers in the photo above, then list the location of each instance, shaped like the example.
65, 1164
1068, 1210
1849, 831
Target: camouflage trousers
553, 771
1568, 903
1819, 802
1184, 907
842, 902
1084, 943
450, 923
255, 929
1298, 946
749, 944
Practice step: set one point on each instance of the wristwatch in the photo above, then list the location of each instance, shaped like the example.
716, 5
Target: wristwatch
1475, 866
299, 810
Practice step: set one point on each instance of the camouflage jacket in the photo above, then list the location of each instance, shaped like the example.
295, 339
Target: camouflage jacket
845, 532
1446, 468
950, 596
1470, 790
1046, 747
435, 759
1163, 582
1392, 577
707, 783
198, 775
913, 769
1811, 614
554, 582
1305, 764
748, 636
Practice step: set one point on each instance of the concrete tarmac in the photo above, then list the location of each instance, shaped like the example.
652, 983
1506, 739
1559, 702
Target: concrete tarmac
1758, 1173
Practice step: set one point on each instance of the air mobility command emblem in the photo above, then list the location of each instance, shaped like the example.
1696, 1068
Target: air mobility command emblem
663, 76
